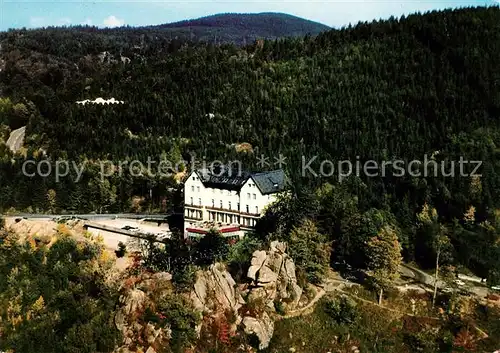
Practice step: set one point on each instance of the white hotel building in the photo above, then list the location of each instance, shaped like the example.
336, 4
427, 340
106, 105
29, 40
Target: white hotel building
227, 201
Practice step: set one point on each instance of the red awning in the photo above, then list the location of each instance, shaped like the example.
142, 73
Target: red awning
205, 231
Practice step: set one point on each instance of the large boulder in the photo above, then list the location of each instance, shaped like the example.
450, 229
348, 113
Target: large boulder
274, 271
139, 293
216, 289
133, 303
256, 263
262, 328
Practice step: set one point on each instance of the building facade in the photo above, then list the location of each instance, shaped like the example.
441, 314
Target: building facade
228, 200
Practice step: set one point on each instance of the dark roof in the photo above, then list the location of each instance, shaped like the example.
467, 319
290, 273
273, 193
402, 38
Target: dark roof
270, 182
230, 179
227, 179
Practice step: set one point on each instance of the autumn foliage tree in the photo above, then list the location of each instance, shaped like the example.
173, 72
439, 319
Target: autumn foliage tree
384, 254
55, 299
310, 250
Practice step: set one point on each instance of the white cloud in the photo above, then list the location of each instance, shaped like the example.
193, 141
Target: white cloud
113, 21
87, 22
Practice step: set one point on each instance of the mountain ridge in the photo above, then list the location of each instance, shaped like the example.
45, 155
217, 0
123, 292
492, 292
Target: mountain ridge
242, 28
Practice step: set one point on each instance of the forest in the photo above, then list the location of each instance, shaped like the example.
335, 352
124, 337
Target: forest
398, 89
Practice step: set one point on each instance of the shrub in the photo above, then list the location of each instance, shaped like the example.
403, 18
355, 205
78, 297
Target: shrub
240, 255
185, 277
58, 296
122, 250
342, 310
310, 251
213, 247
279, 307
177, 313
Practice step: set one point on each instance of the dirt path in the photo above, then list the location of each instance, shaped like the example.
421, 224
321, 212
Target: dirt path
309, 308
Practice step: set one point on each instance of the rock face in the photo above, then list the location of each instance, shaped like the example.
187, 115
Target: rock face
263, 328
274, 271
273, 279
215, 289
133, 304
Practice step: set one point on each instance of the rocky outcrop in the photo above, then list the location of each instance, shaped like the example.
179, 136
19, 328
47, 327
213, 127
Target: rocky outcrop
134, 301
274, 271
215, 289
262, 328
273, 278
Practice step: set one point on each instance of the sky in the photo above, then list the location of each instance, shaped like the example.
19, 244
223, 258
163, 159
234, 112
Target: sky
113, 13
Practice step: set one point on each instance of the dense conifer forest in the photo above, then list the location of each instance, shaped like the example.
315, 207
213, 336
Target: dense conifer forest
400, 89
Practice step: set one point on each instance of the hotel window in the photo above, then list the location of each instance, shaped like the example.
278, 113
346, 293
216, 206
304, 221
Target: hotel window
192, 188
213, 203
229, 204
248, 209
221, 206
238, 206
191, 201
198, 189
248, 195
257, 209
254, 196
199, 202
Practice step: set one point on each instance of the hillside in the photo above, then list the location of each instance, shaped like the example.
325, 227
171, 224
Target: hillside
243, 28
421, 87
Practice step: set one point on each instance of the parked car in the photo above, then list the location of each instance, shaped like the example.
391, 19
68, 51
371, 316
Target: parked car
130, 228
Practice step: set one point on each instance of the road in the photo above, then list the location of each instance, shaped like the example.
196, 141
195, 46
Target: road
93, 216
16, 139
424, 278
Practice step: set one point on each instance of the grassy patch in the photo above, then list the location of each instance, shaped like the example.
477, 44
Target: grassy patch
375, 330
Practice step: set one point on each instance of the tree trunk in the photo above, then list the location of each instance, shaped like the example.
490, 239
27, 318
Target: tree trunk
436, 279
380, 295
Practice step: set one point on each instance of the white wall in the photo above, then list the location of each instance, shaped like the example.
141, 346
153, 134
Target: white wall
256, 198
225, 196
249, 195
193, 188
